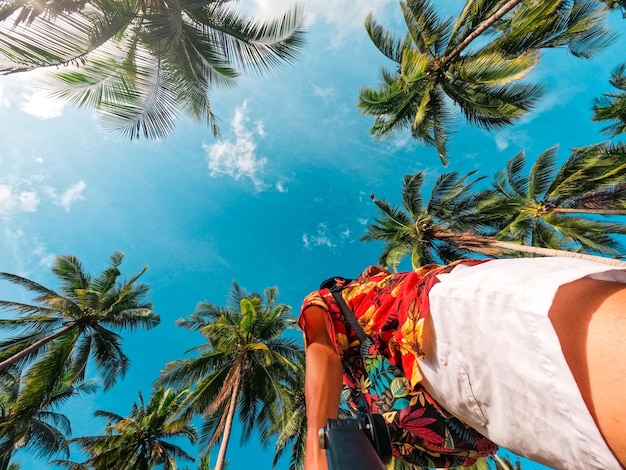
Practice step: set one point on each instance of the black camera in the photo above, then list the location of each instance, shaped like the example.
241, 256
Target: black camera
361, 443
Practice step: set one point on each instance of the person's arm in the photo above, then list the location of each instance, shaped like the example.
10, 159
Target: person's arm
323, 383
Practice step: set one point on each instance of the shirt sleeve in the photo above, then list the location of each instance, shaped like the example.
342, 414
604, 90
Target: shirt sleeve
336, 326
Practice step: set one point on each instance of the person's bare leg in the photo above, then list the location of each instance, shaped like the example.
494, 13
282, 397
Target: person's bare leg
589, 317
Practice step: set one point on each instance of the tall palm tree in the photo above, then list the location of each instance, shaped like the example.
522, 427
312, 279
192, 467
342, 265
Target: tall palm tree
140, 63
38, 428
612, 106
139, 441
437, 72
445, 229
551, 209
244, 365
61, 332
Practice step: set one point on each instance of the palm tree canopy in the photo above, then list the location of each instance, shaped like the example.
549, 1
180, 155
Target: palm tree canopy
246, 356
520, 213
140, 440
439, 74
415, 228
612, 106
66, 329
546, 207
142, 64
39, 427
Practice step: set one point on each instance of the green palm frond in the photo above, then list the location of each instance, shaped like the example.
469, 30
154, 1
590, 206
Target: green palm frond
138, 440
386, 41
541, 173
140, 66
441, 74
612, 106
245, 358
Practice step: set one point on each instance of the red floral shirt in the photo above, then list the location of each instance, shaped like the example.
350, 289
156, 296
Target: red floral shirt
392, 306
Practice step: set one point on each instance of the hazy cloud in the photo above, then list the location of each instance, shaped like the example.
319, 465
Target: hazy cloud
237, 157
319, 238
4, 99
343, 14
68, 197
19, 195
507, 137
323, 93
14, 199
40, 105
323, 236
26, 253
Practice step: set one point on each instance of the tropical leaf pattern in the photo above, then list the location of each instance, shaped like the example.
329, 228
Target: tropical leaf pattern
381, 375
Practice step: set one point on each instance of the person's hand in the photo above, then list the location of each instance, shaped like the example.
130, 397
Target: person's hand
373, 270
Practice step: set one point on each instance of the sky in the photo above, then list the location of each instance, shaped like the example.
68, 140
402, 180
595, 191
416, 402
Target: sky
281, 199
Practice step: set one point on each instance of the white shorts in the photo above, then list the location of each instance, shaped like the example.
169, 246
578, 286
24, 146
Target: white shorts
498, 363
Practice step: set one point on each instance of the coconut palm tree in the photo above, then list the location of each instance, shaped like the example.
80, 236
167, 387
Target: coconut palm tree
437, 73
141, 440
291, 427
38, 428
445, 229
61, 332
140, 64
424, 231
551, 209
244, 365
612, 106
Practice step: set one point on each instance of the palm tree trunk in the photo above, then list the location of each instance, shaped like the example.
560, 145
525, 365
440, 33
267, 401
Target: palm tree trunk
5, 460
490, 246
33, 347
569, 210
221, 456
503, 10
560, 253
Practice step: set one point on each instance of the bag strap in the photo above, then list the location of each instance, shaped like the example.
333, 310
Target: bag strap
347, 313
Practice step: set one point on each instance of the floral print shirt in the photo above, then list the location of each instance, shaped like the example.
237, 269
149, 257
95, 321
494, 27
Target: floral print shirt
391, 305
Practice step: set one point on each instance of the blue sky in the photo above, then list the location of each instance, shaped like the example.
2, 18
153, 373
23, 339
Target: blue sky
281, 199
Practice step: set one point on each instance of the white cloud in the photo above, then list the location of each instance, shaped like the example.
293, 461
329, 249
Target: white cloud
4, 100
281, 188
14, 199
319, 238
72, 194
507, 137
345, 15
25, 254
68, 197
329, 238
40, 105
323, 93
237, 157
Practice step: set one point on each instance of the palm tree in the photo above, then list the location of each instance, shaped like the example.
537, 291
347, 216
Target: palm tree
549, 208
60, 332
437, 73
615, 4
446, 228
139, 63
139, 441
425, 230
244, 365
291, 427
612, 106
38, 428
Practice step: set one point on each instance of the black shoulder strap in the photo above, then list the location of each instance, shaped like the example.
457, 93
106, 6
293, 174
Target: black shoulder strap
351, 319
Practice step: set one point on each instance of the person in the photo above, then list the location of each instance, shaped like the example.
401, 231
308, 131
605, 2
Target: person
529, 352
